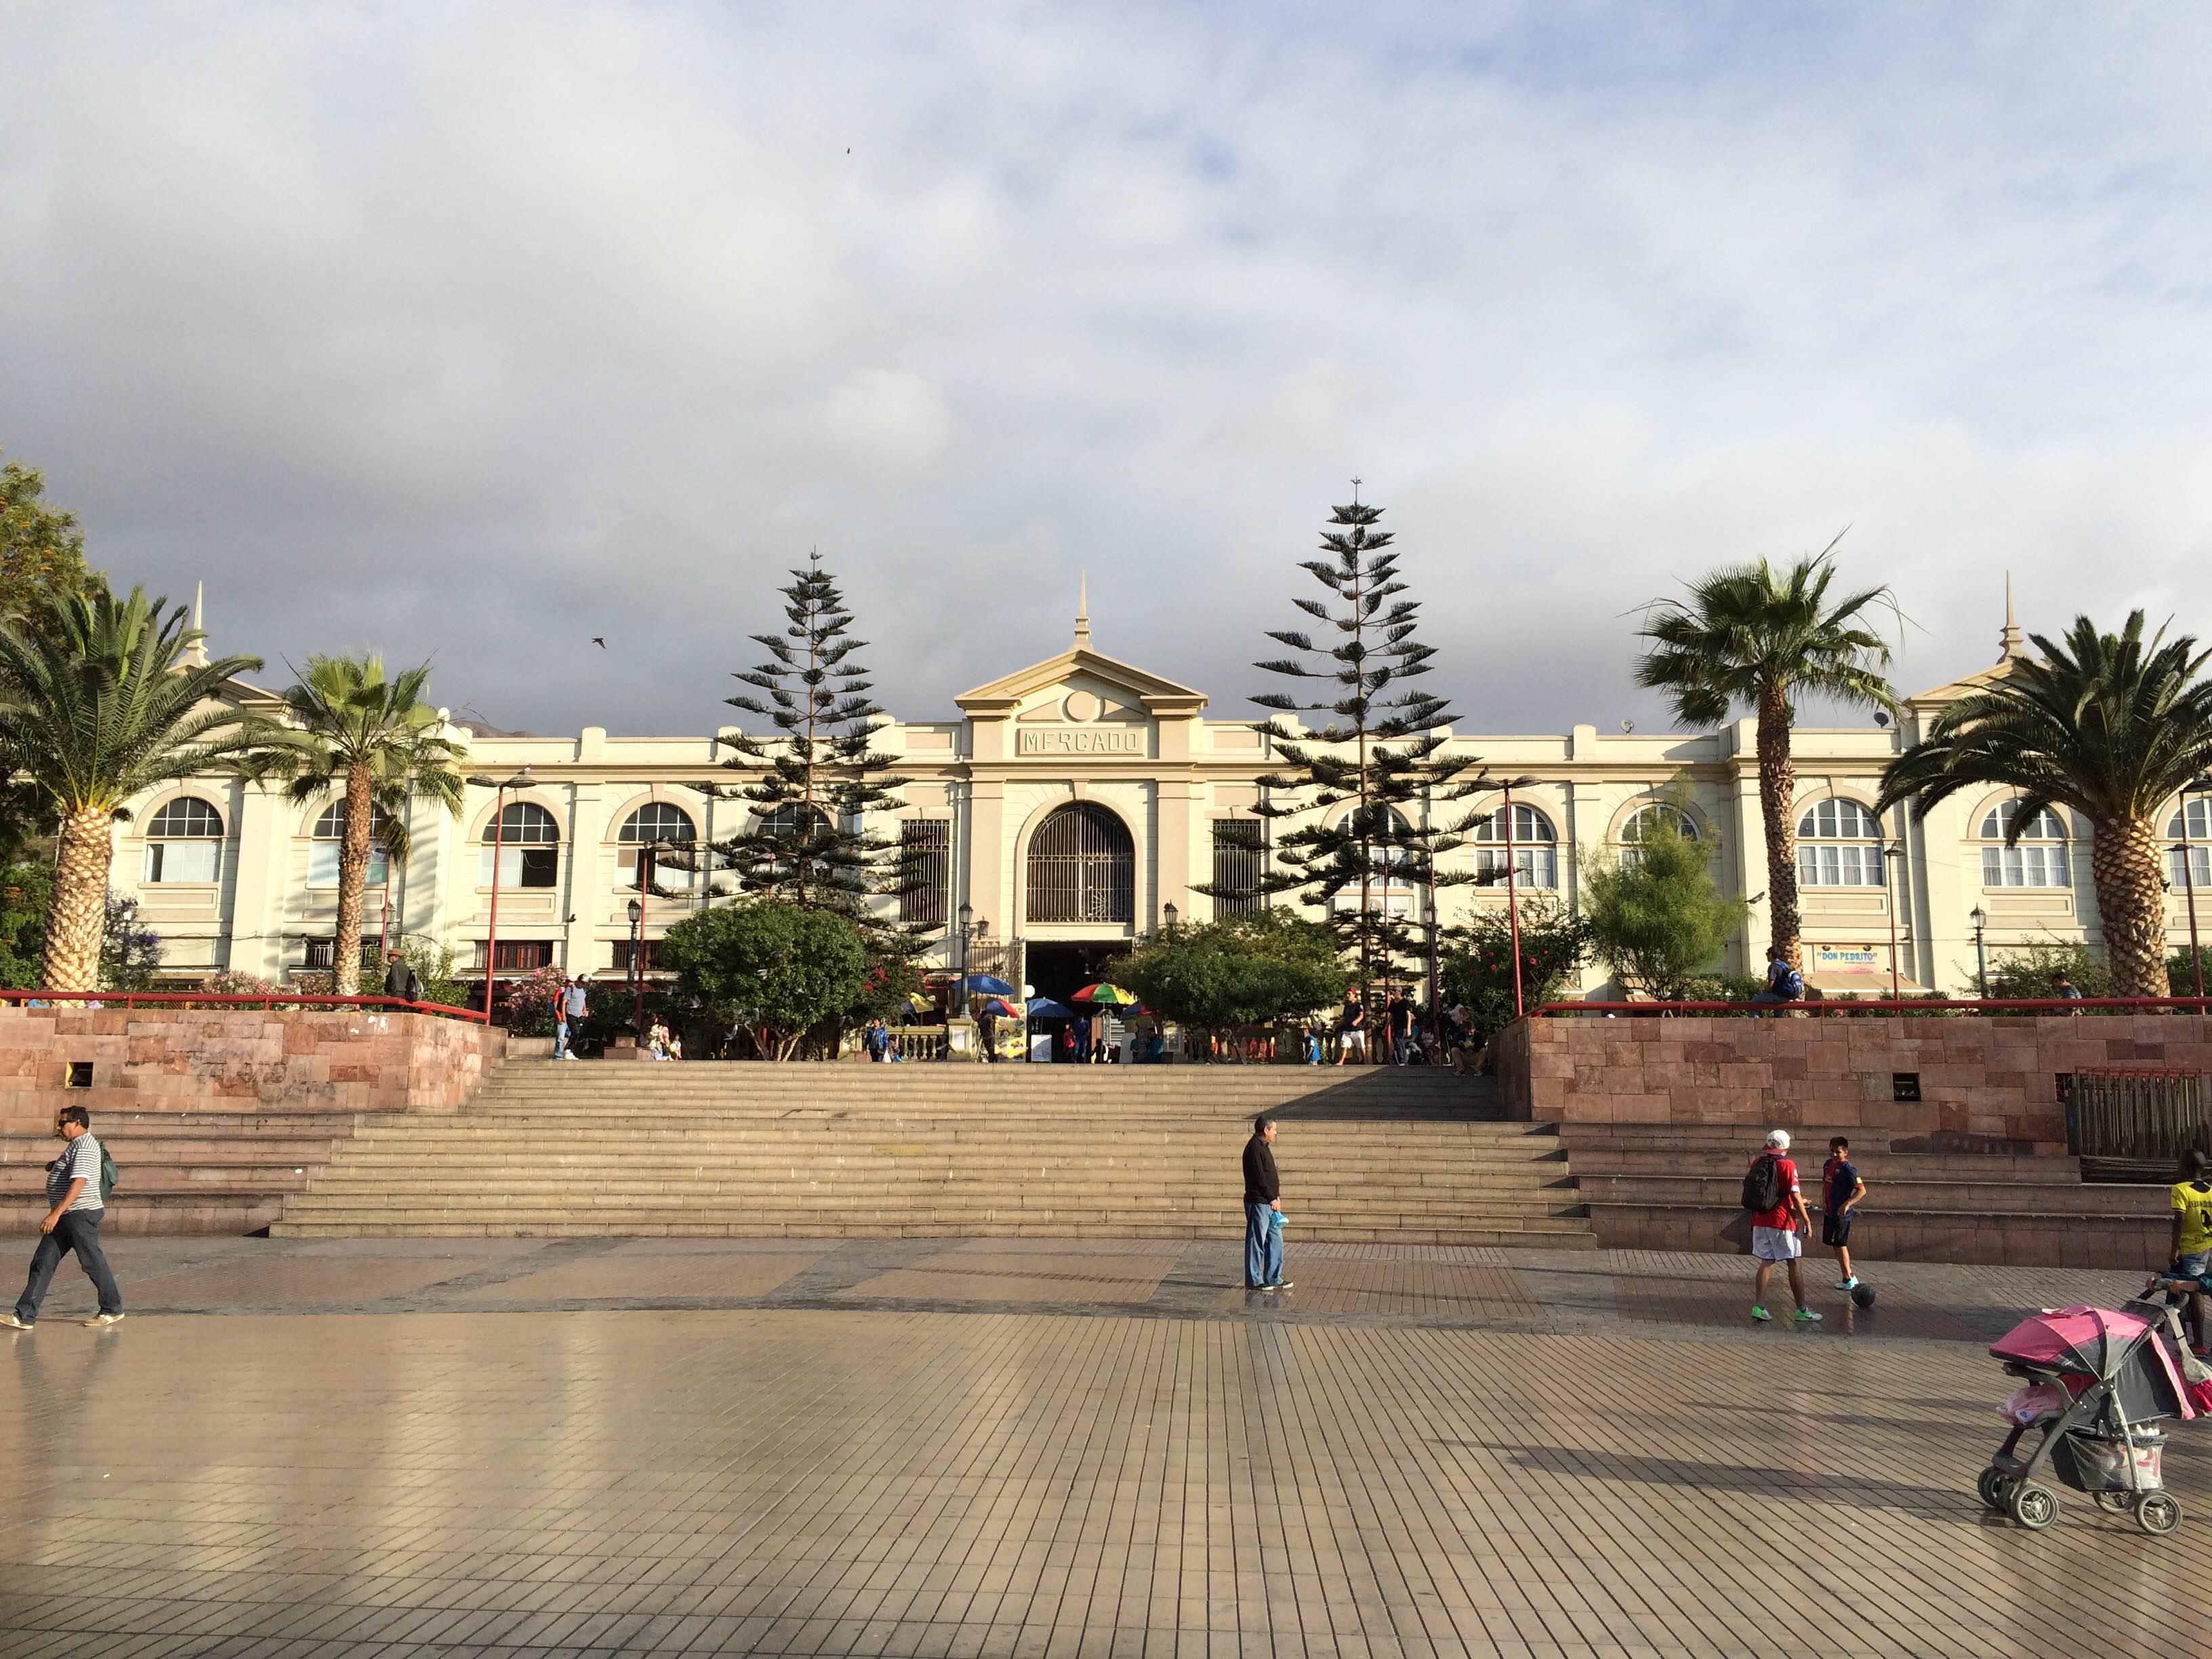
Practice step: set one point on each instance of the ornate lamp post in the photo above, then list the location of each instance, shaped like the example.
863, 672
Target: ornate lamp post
960, 986
520, 781
1981, 921
1171, 914
637, 966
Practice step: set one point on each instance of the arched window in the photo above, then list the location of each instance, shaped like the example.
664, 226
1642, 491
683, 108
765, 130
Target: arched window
1535, 848
1391, 891
794, 818
330, 835
1648, 818
1082, 867
656, 821
2039, 859
1838, 845
2199, 826
529, 847
184, 842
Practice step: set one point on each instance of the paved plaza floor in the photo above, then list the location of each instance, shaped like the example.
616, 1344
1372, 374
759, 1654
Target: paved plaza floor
503, 1448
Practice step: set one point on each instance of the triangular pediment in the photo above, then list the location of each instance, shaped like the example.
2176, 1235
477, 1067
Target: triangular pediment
1123, 690
1965, 687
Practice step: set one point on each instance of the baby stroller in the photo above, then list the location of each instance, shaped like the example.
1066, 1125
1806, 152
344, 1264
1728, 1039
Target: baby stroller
2098, 1383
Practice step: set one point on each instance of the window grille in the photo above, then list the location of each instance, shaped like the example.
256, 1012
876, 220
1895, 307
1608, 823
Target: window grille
925, 871
1082, 867
1240, 863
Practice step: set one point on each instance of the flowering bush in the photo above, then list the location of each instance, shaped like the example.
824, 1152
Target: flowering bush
524, 1005
233, 983
129, 952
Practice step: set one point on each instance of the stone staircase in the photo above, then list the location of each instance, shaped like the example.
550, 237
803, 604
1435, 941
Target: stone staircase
184, 1171
554, 1150
1678, 1187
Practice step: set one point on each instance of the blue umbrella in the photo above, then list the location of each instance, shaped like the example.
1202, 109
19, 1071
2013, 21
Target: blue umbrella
985, 985
1046, 1008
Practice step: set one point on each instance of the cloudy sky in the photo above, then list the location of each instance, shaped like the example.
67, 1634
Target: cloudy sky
480, 329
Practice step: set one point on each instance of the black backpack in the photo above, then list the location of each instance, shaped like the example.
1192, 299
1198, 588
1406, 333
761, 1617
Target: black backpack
1762, 1184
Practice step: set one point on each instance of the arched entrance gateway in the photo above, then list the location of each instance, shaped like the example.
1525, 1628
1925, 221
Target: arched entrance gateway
1081, 871
1082, 867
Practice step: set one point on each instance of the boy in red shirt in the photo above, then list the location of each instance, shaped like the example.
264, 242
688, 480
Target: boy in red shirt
1775, 1231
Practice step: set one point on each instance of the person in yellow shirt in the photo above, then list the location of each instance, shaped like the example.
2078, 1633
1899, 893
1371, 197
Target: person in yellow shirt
2191, 1272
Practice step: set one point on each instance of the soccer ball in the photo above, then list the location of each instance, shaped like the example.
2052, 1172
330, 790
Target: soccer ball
1862, 1296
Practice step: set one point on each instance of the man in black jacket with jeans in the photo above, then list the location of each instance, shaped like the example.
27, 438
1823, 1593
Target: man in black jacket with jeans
1263, 1210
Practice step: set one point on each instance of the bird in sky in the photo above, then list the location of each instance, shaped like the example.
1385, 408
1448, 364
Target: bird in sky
601, 640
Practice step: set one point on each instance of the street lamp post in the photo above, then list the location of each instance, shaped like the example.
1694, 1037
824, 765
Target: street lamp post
1981, 921
520, 781
1171, 914
960, 985
1889, 899
637, 967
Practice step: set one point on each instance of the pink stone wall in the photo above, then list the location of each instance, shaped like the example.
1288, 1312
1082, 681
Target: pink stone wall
166, 1059
1991, 1078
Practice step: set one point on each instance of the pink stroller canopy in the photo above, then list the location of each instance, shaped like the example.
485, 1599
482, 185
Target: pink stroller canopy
2100, 1343
2089, 1337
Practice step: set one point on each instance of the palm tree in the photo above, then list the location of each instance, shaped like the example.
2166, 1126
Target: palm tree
1752, 637
378, 739
105, 702
2108, 725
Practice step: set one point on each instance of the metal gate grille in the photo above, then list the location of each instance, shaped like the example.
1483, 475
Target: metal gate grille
2143, 1117
1082, 867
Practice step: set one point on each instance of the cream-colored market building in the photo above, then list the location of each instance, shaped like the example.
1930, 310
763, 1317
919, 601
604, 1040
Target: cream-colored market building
1067, 807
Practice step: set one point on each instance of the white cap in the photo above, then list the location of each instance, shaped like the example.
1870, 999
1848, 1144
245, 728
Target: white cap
1780, 1139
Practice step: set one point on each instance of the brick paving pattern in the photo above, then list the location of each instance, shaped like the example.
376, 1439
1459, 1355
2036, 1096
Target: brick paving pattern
640, 1447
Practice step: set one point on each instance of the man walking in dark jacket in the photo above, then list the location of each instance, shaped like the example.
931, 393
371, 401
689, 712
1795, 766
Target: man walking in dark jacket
400, 979
1263, 1212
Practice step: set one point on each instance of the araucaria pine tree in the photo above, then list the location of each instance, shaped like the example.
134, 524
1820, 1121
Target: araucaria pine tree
1379, 757
816, 777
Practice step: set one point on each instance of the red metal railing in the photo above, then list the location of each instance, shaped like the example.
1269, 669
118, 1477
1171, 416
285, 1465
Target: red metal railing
1840, 1007
272, 999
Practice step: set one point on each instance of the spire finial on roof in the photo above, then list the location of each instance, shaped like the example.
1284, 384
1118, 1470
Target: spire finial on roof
195, 654
1083, 611
2011, 642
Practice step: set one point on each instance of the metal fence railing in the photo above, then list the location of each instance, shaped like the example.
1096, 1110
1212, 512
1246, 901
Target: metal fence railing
2142, 1115
36, 999
1844, 1008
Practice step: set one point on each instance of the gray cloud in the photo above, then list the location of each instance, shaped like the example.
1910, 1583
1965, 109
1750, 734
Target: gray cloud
484, 330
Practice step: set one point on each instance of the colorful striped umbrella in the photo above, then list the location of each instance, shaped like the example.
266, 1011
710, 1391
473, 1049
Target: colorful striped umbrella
1104, 996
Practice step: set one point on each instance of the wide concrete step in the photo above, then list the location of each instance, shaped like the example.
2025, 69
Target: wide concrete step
809, 1228
159, 1213
1697, 1162
737, 1208
140, 1154
140, 1178
891, 1150
918, 1198
2054, 1197
1997, 1235
522, 1164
